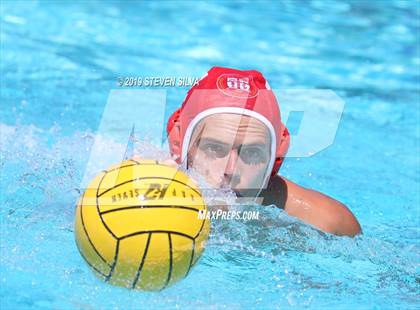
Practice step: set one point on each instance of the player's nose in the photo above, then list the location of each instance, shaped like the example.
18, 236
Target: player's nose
231, 176
231, 162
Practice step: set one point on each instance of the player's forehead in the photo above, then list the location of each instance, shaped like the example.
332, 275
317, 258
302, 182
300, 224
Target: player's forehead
227, 127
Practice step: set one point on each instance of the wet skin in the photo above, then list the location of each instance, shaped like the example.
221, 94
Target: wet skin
232, 150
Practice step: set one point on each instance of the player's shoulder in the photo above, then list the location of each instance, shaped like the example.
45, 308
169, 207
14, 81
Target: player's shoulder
320, 210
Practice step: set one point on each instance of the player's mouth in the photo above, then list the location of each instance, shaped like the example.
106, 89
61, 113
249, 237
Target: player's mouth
230, 182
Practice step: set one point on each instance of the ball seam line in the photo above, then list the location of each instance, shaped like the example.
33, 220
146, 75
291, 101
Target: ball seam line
146, 178
86, 233
149, 207
137, 277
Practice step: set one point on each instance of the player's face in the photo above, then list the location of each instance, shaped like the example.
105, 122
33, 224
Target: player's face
232, 151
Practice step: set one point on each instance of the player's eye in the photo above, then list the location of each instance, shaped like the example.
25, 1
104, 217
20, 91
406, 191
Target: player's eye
214, 150
251, 155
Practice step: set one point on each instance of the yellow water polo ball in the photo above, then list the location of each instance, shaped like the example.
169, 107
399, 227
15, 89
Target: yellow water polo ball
139, 225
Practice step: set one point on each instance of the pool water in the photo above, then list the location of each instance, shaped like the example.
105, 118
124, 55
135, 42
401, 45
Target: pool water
59, 61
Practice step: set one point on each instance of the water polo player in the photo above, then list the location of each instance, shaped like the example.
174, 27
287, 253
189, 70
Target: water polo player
230, 131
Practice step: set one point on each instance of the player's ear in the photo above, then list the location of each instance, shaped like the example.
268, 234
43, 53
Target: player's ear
285, 141
282, 149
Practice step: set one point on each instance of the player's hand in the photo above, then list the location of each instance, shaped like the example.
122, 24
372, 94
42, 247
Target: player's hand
168, 162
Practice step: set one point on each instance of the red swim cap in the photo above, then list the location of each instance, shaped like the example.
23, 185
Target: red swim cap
224, 90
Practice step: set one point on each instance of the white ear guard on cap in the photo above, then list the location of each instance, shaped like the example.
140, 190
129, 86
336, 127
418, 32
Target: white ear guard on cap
240, 111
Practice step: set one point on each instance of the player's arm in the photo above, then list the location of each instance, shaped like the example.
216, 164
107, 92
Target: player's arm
320, 210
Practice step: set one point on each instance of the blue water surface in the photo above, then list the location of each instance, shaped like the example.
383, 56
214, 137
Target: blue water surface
59, 61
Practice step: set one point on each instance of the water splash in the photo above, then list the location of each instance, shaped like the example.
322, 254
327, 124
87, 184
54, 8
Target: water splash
40, 179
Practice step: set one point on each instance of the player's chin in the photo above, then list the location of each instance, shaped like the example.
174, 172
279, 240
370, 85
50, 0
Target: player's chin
246, 192
238, 194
